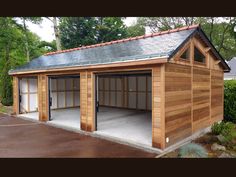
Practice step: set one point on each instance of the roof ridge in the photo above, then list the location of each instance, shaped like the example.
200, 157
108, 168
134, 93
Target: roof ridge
126, 39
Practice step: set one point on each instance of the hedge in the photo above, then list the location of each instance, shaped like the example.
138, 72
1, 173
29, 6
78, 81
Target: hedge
230, 100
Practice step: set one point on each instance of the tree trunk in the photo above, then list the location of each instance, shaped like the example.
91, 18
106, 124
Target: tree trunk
26, 42
57, 34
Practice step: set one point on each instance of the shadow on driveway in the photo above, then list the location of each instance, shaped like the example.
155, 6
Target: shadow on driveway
22, 138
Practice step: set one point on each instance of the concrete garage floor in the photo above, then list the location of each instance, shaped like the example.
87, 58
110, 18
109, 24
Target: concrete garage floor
23, 138
129, 125
31, 115
69, 118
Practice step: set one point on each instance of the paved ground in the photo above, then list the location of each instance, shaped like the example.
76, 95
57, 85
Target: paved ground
21, 138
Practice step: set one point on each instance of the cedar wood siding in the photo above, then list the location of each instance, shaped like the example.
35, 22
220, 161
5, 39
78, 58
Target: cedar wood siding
193, 94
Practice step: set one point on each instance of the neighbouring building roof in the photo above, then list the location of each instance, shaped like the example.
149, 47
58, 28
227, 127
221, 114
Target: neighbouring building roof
157, 45
232, 73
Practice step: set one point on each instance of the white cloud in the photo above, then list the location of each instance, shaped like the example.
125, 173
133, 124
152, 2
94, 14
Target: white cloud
44, 30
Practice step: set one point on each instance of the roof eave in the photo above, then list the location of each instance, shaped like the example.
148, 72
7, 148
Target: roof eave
156, 60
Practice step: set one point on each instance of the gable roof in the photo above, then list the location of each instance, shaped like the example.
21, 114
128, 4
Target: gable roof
232, 65
154, 46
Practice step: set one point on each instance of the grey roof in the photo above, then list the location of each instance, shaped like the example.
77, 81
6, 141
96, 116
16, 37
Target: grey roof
232, 65
146, 48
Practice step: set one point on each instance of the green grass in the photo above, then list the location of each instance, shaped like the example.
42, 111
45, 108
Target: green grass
3, 109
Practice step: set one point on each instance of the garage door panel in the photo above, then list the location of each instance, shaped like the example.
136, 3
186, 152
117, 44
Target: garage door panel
77, 98
61, 99
149, 101
132, 100
112, 84
33, 85
23, 86
61, 84
132, 83
76, 83
118, 84
69, 84
106, 98
54, 100
33, 102
69, 99
141, 100
119, 99
113, 98
142, 83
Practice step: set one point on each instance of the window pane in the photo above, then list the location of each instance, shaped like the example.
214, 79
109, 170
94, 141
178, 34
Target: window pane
198, 56
186, 54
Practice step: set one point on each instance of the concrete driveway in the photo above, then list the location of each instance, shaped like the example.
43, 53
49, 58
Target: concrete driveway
23, 138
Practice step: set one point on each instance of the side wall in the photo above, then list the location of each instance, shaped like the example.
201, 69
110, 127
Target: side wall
194, 93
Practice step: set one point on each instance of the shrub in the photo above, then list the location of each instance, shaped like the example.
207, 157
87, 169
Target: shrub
223, 128
216, 128
192, 150
230, 100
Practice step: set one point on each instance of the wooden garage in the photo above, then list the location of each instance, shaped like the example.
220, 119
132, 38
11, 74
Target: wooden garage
175, 76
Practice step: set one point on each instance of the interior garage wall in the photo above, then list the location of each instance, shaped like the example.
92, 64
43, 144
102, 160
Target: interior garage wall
133, 92
29, 95
65, 92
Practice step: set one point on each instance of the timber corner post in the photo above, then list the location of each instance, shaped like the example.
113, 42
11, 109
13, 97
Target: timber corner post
158, 106
16, 94
87, 101
43, 101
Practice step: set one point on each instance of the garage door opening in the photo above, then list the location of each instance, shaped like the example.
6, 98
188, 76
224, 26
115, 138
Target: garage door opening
64, 101
123, 106
28, 97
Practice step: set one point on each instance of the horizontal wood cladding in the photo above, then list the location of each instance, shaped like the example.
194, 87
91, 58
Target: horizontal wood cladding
217, 97
201, 98
177, 102
87, 101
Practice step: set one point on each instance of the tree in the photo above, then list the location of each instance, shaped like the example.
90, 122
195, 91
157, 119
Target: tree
136, 29
77, 31
35, 20
110, 28
10, 38
56, 31
12, 53
80, 31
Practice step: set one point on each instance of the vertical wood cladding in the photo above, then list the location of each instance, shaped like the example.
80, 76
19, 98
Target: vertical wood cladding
15, 95
43, 97
177, 102
87, 102
158, 109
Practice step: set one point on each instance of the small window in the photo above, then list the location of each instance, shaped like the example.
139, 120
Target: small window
198, 56
185, 55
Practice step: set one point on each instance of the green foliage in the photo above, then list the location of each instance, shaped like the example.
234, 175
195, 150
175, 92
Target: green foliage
230, 100
192, 150
81, 31
216, 128
223, 128
135, 30
13, 53
77, 31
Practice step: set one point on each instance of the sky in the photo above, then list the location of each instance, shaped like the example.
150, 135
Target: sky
45, 29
